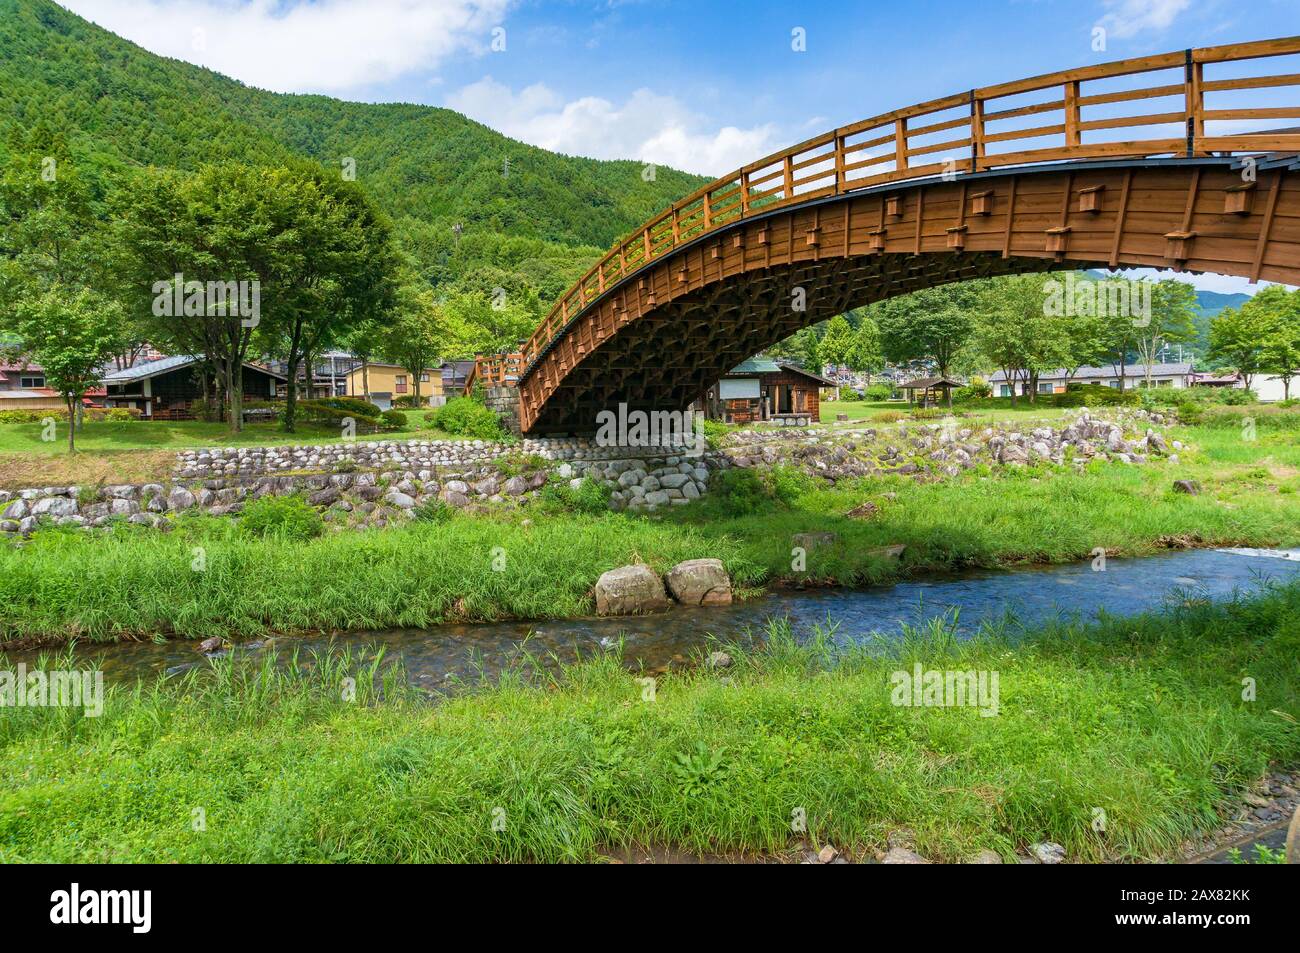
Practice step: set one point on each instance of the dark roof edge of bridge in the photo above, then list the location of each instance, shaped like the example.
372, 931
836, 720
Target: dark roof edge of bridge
1229, 161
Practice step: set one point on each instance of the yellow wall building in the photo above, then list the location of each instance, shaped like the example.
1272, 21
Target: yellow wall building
394, 380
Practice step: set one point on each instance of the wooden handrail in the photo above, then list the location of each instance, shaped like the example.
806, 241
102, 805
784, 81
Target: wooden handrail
495, 370
776, 180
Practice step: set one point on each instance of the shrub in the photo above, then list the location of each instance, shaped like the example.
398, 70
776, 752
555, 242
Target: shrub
589, 496
1095, 395
739, 492
36, 415
889, 416
1233, 396
393, 419
1266, 417
848, 393
353, 404
466, 417
714, 431
434, 510
878, 392
283, 517
977, 389
788, 483
339, 409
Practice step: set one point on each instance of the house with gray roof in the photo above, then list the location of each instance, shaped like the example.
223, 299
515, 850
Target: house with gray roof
1107, 375
167, 388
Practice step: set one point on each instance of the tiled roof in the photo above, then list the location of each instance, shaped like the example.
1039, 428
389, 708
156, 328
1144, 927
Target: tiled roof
150, 369
165, 364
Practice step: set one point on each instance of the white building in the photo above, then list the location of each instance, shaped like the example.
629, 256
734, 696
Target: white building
1135, 375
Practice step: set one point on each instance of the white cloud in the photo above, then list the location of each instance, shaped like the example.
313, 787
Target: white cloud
329, 46
648, 127
1127, 18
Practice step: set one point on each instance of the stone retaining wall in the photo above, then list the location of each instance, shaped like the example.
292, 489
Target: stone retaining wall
374, 483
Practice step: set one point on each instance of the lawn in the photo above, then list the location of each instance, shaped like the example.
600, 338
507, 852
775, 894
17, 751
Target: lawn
865, 411
179, 435
137, 583
1138, 722
141, 451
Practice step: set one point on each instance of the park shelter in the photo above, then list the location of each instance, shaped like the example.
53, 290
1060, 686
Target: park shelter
930, 391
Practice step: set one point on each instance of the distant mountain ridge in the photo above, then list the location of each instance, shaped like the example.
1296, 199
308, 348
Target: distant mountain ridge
430, 168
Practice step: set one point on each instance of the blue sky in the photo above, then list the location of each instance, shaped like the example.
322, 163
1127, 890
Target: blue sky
705, 86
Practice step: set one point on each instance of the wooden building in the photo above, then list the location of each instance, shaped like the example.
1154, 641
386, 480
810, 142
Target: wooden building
930, 391
764, 390
166, 389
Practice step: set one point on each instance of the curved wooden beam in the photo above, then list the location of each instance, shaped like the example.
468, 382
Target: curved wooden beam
914, 155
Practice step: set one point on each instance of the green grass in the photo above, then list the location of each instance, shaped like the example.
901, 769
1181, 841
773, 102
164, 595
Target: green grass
101, 435
866, 411
1140, 718
137, 583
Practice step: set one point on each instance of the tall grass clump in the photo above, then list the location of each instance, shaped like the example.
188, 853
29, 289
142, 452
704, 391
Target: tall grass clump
281, 517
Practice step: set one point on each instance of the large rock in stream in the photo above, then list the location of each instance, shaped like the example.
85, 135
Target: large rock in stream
700, 582
630, 590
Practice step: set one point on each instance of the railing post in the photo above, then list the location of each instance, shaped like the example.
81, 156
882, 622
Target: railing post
900, 145
976, 131
646, 238
708, 212
788, 181
1072, 137
839, 164
744, 193
1194, 97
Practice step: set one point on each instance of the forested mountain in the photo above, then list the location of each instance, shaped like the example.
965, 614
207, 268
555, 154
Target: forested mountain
118, 105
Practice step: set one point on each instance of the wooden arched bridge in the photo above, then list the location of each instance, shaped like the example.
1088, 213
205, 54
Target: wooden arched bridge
1124, 164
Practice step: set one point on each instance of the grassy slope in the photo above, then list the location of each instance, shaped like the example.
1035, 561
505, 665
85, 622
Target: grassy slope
140, 583
139, 452
1142, 719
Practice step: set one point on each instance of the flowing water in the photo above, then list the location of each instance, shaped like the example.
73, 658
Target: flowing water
1023, 597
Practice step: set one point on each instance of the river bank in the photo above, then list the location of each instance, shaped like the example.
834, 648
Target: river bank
208, 579
1140, 722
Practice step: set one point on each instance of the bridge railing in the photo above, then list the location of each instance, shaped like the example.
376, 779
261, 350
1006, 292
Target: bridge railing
495, 370
968, 132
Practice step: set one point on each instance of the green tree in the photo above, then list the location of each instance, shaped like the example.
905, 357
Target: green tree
837, 342
1263, 336
932, 325
1019, 333
1239, 336
1172, 320
71, 334
864, 355
419, 332
331, 263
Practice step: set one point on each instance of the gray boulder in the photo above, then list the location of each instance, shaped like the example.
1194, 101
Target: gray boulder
630, 590
399, 499
325, 497
54, 506
700, 582
180, 498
